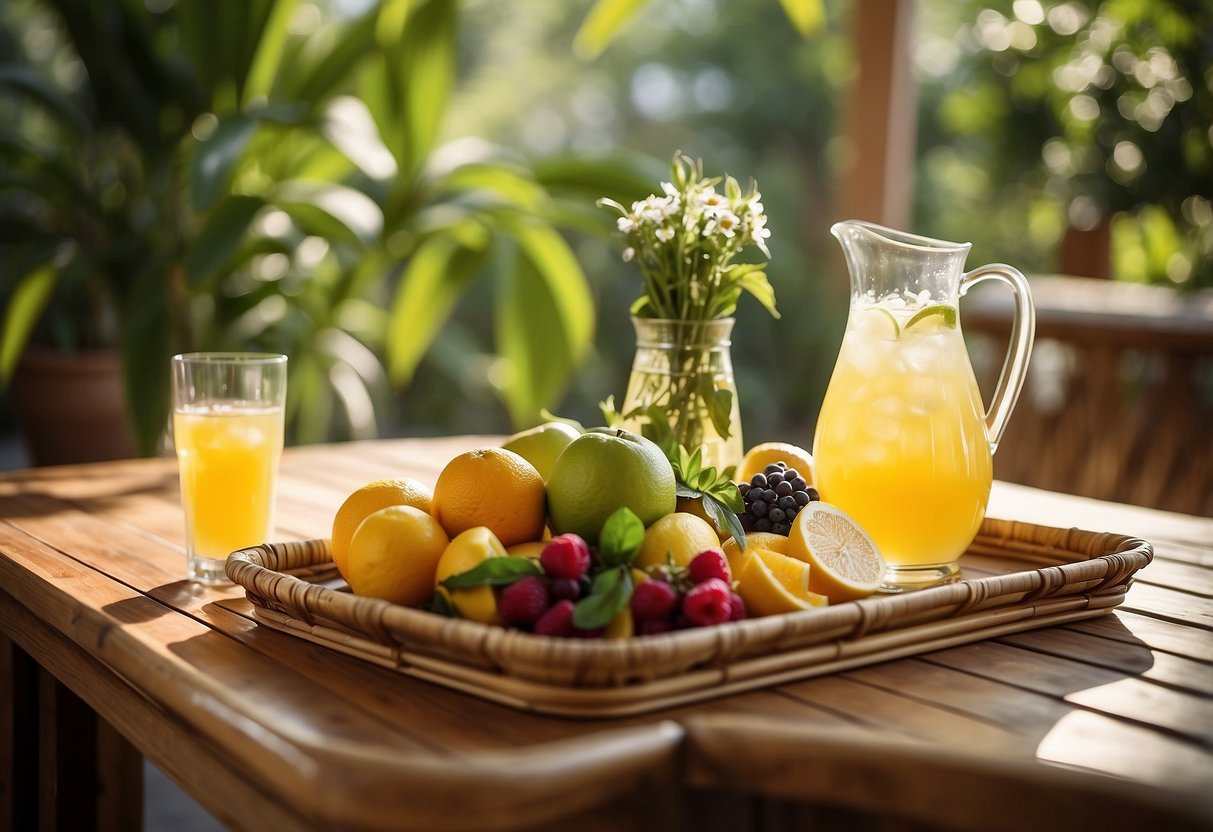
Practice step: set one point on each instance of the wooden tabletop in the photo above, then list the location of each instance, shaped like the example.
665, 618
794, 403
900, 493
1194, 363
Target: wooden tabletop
1106, 721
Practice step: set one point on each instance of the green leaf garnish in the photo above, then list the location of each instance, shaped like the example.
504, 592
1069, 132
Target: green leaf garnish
610, 593
497, 571
620, 539
717, 491
440, 604
947, 313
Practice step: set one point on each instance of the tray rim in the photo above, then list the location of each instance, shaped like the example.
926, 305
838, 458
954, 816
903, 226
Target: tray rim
1071, 574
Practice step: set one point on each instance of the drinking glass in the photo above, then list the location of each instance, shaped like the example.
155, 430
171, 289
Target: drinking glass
227, 428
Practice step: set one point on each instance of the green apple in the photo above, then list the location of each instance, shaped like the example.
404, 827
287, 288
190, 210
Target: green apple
541, 445
603, 470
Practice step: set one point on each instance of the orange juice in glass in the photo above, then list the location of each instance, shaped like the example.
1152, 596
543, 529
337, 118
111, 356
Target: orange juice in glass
228, 432
903, 442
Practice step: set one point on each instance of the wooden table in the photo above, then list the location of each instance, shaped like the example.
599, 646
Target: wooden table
1106, 723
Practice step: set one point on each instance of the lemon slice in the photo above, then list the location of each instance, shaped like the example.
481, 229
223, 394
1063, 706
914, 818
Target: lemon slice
946, 313
771, 583
845, 562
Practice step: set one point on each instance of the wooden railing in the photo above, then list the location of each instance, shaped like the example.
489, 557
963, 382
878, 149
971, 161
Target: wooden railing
1119, 400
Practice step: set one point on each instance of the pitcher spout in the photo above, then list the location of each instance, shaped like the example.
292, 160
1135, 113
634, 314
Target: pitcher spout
884, 262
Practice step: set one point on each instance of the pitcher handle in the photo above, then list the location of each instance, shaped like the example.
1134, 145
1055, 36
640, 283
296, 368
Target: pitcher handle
1023, 331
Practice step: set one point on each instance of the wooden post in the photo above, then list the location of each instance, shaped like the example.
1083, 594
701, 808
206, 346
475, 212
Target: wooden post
879, 116
18, 737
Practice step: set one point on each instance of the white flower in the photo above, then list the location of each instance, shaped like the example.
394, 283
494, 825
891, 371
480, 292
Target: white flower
665, 233
759, 232
708, 199
627, 224
670, 191
724, 221
628, 254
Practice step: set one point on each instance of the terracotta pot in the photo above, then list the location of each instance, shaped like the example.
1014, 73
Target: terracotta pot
71, 408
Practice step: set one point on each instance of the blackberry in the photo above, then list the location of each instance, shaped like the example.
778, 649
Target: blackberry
774, 498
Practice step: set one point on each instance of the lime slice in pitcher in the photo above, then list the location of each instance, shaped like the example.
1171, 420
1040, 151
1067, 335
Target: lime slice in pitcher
946, 314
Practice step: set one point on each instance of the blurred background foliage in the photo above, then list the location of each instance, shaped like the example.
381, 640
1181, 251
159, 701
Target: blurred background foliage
400, 194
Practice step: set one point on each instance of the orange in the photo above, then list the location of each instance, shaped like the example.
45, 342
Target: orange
367, 500
394, 555
678, 535
467, 550
846, 563
495, 488
754, 540
760, 456
771, 583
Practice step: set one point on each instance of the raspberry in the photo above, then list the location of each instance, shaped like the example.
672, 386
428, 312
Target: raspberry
710, 563
653, 600
557, 621
524, 601
566, 589
654, 627
565, 556
708, 603
739, 610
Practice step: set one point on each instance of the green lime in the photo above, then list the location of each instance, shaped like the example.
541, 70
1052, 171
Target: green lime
947, 313
892, 321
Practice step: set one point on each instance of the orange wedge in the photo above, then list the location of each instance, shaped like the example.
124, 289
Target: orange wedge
753, 540
845, 562
771, 583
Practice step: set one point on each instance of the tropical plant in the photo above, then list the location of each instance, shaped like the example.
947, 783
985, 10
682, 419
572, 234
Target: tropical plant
286, 175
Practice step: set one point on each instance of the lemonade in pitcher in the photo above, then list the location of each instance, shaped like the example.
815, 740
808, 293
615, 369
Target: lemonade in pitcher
901, 441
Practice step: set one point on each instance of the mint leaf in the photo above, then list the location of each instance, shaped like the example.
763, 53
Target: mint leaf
720, 410
611, 592
494, 572
620, 539
610, 416
724, 518
439, 604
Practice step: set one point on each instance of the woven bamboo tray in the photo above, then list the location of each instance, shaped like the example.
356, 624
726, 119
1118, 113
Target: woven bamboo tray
1016, 576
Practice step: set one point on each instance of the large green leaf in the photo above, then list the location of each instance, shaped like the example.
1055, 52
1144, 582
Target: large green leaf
268, 53
344, 211
220, 237
34, 86
350, 127
621, 176
511, 184
437, 274
25, 307
216, 156
334, 61
421, 73
602, 24
807, 16
545, 320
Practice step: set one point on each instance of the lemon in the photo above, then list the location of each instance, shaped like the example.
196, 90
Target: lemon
771, 583
369, 499
846, 563
678, 535
530, 549
754, 540
603, 470
760, 456
694, 505
466, 550
394, 555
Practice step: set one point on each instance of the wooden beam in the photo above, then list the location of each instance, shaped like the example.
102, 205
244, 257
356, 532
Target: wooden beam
879, 118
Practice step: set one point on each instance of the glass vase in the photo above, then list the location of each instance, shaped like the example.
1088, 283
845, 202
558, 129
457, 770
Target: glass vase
682, 386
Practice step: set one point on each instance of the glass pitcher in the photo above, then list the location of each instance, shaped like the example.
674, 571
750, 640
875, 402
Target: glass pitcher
903, 442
